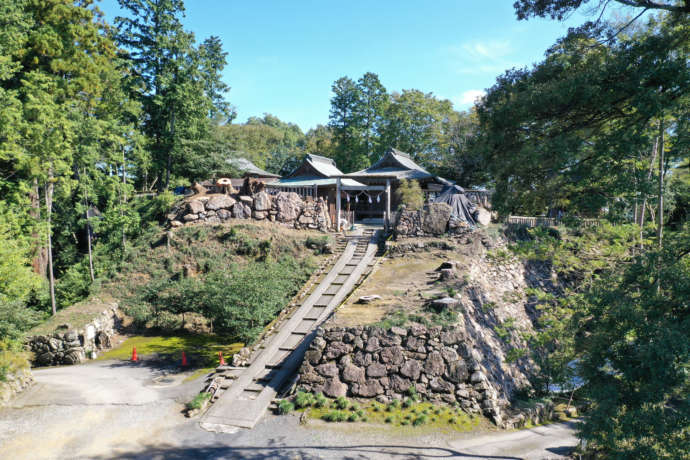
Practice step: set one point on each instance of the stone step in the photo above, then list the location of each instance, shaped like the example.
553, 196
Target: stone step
244, 403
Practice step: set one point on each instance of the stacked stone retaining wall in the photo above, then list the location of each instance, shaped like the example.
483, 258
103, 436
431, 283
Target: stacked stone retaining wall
287, 208
369, 362
15, 382
73, 346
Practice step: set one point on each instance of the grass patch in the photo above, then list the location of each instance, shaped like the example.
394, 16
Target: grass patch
77, 315
12, 361
201, 350
396, 413
198, 401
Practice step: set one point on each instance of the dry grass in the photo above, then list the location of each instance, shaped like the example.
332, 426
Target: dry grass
406, 283
77, 315
402, 283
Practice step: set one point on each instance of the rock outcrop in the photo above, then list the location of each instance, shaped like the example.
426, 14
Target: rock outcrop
75, 346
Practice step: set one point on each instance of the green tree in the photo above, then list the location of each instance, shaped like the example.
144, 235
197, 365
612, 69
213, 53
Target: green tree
420, 124
267, 141
560, 9
553, 135
356, 118
636, 356
180, 86
320, 141
410, 194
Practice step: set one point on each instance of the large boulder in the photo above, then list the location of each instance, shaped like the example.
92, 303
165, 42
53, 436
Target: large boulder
353, 374
434, 364
368, 389
259, 215
262, 201
335, 388
238, 211
436, 217
411, 369
482, 216
220, 202
195, 207
288, 205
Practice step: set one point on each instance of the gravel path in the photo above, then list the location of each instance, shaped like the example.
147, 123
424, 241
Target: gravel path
109, 410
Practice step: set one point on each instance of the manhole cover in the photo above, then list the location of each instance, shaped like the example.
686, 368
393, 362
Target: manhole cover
164, 381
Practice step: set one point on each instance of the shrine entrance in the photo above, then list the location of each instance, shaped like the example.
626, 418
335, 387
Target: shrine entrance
375, 198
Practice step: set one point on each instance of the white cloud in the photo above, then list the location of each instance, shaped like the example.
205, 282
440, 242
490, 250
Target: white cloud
476, 57
468, 98
480, 51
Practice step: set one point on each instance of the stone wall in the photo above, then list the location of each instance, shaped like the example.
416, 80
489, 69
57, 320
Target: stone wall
73, 346
433, 220
284, 207
15, 382
370, 362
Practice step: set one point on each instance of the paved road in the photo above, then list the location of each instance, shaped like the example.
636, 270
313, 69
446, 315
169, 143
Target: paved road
110, 410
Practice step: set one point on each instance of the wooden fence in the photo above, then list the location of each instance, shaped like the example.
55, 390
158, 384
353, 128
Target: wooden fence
525, 221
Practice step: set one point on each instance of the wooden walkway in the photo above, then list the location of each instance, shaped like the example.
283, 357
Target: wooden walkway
249, 391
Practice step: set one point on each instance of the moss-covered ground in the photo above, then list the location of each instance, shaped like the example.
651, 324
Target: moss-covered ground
201, 350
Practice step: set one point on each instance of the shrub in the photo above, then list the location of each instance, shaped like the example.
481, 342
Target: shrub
334, 416
412, 393
304, 399
342, 403
320, 400
352, 417
407, 403
410, 194
421, 420
318, 244
285, 407
388, 419
198, 401
395, 404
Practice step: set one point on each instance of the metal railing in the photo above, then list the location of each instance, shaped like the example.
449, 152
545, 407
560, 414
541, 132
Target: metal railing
538, 221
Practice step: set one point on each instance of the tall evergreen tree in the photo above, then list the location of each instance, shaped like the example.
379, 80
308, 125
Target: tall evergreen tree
180, 85
356, 117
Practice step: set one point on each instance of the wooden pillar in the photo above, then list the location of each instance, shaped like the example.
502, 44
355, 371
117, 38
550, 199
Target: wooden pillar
337, 204
388, 205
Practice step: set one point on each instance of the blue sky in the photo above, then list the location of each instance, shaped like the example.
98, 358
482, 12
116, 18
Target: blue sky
285, 55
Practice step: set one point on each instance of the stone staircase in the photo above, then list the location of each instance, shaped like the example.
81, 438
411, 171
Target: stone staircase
243, 394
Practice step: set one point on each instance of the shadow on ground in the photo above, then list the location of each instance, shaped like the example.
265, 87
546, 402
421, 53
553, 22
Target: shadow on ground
357, 452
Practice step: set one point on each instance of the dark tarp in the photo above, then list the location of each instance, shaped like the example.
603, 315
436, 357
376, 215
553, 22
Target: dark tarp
462, 208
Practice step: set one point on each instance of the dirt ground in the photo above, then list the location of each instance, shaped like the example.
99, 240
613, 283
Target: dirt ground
119, 409
404, 282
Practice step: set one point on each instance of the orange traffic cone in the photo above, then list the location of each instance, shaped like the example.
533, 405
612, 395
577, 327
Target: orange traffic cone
134, 354
220, 359
184, 359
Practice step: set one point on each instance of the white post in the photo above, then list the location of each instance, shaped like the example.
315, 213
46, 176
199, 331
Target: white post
337, 204
388, 204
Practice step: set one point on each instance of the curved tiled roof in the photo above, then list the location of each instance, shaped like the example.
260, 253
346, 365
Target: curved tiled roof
247, 167
324, 165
